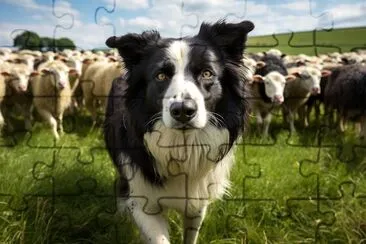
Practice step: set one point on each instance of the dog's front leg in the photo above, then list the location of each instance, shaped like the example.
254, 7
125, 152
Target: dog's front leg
153, 227
192, 225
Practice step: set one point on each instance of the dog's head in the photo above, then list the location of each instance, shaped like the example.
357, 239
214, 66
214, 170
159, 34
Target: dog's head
186, 82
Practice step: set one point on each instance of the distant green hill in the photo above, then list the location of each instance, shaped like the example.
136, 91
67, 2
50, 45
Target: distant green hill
341, 40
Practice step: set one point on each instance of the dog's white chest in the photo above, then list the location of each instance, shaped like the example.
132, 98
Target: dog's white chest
181, 191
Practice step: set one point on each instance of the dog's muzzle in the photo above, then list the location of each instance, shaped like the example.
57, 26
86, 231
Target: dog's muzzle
183, 111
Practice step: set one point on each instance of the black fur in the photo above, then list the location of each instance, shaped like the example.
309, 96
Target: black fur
346, 91
131, 102
273, 63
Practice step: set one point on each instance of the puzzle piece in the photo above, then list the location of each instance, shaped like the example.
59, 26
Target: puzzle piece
306, 187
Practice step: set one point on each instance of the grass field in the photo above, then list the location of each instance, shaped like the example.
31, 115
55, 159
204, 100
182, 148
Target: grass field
311, 42
303, 188
310, 187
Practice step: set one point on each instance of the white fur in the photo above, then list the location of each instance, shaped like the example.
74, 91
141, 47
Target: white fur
311, 78
194, 163
274, 83
250, 64
297, 93
182, 86
195, 175
50, 101
275, 52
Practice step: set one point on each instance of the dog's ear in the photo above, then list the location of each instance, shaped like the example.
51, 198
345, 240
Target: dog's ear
131, 46
231, 38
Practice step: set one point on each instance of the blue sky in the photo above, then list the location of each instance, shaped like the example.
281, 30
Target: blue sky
89, 28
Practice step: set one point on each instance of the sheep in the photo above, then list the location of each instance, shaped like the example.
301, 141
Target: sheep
2, 96
351, 58
100, 53
271, 63
52, 93
315, 101
74, 62
266, 94
266, 89
67, 53
298, 91
18, 96
5, 51
346, 94
274, 52
97, 82
24, 59
251, 66
77, 90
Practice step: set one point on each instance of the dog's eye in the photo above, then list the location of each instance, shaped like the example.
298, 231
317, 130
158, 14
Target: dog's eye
206, 74
161, 77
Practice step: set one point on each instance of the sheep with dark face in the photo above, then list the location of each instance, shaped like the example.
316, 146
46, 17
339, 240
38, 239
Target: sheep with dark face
266, 90
346, 93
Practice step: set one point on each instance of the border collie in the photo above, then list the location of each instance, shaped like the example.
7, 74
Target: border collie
172, 122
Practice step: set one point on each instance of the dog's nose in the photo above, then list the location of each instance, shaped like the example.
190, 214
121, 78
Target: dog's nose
183, 111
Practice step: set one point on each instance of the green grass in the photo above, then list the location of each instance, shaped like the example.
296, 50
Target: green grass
311, 42
64, 193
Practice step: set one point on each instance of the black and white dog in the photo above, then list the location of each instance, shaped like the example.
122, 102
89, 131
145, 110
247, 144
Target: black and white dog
172, 122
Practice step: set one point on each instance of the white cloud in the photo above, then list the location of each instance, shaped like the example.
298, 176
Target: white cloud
60, 7
174, 19
346, 11
145, 22
298, 5
104, 20
37, 17
128, 4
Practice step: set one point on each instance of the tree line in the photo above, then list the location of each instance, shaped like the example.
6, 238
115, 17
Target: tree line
32, 41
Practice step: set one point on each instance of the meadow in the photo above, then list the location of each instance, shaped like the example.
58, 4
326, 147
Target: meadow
308, 187
311, 42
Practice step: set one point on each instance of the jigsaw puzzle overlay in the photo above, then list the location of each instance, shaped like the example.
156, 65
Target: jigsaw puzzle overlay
300, 181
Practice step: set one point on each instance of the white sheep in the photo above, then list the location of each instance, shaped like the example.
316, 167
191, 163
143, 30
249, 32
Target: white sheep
266, 95
97, 82
274, 52
75, 63
18, 96
52, 93
298, 91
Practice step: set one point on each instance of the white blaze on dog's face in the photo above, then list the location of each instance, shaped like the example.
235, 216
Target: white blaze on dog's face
182, 92
183, 83
180, 80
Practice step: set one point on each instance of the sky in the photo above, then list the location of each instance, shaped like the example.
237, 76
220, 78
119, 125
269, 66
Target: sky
90, 22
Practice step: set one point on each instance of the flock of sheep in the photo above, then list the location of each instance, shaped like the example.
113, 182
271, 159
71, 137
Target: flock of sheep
297, 84
52, 84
